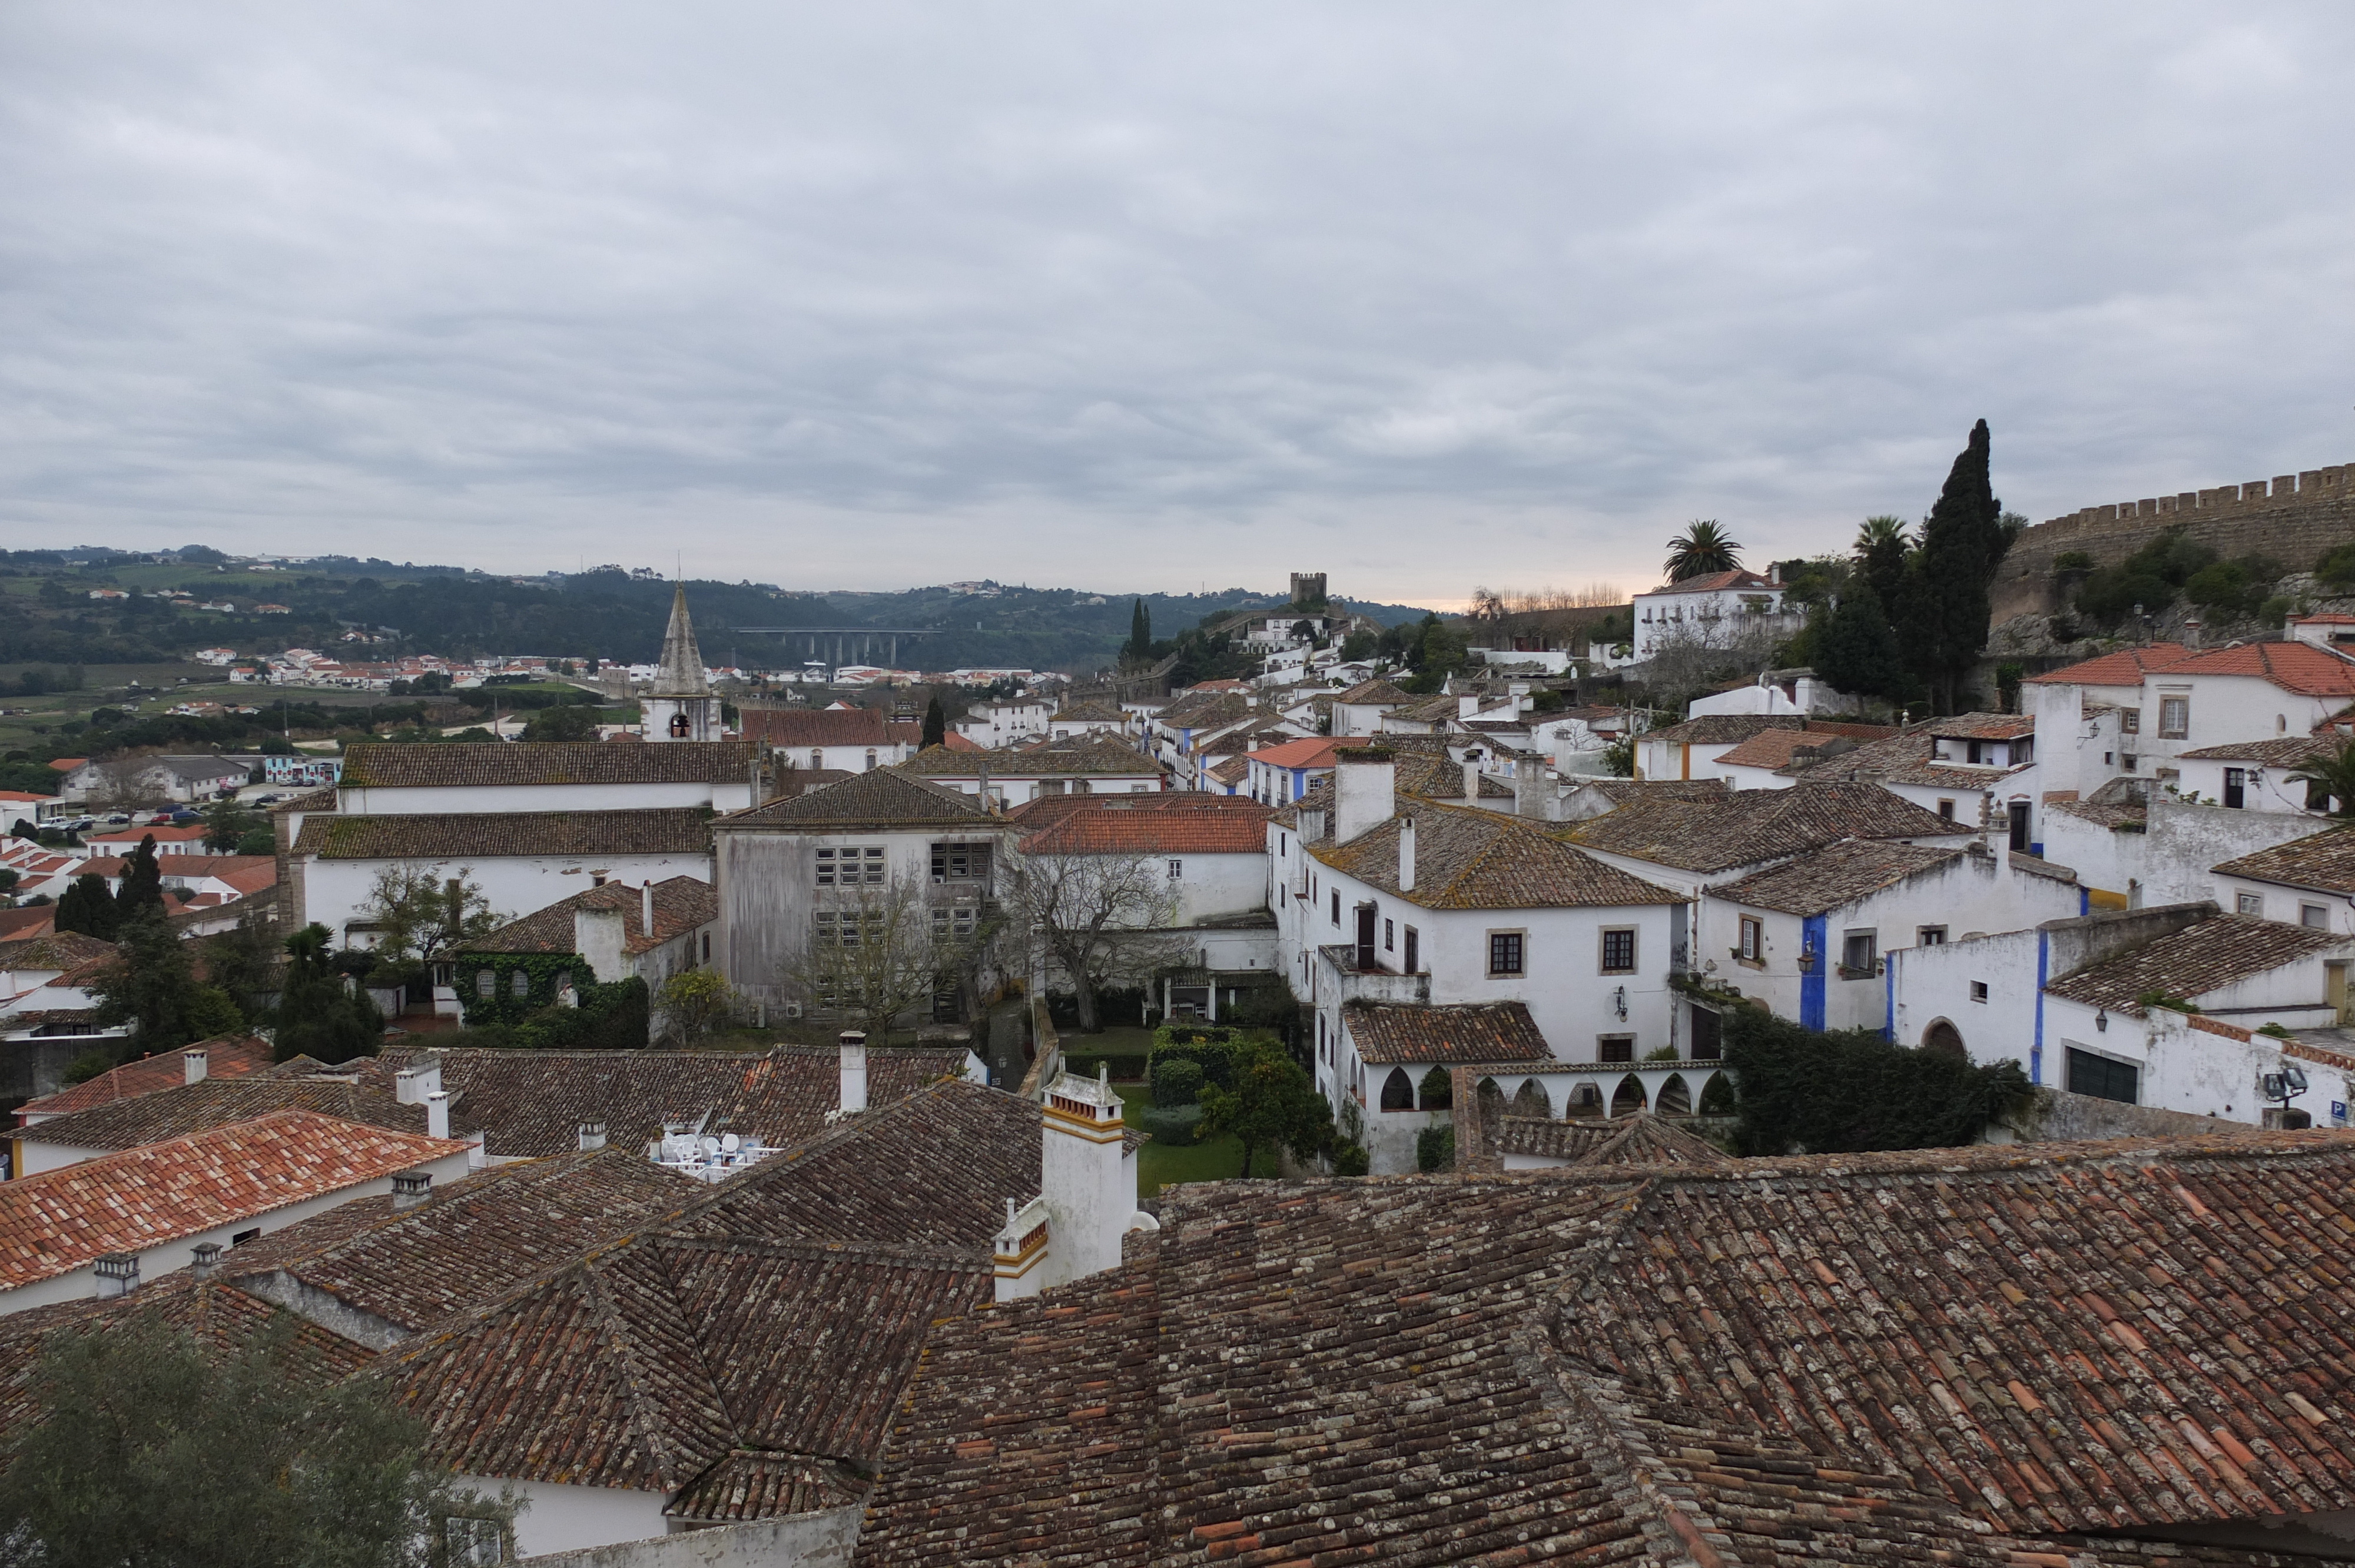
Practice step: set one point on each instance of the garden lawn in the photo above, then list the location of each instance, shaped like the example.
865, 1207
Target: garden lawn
1215, 1160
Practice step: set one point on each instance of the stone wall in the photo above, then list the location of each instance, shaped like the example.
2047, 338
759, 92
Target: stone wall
2293, 518
798, 1541
2059, 1116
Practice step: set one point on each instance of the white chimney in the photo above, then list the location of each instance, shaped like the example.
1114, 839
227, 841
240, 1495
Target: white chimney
412, 1084
410, 1188
1471, 778
592, 1134
1364, 791
1084, 1177
854, 1070
1020, 1248
1532, 791
193, 1065
600, 937
1468, 707
1406, 854
437, 1115
646, 908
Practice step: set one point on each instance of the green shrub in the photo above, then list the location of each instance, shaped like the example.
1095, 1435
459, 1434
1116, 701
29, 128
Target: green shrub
1177, 1081
2277, 609
1174, 1126
1437, 1090
1718, 1099
2072, 561
1849, 1091
1209, 1046
2337, 566
1351, 1159
609, 1018
1435, 1148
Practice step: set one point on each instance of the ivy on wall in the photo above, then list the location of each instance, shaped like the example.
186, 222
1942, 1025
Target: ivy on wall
1850, 1090
503, 1006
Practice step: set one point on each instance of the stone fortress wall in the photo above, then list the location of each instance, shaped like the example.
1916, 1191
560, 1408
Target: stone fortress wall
2294, 519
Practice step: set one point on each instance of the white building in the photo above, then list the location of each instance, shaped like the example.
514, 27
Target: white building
1972, 769
1715, 610
2308, 881
1005, 720
1397, 900
1813, 939
1096, 766
841, 738
1793, 694
582, 776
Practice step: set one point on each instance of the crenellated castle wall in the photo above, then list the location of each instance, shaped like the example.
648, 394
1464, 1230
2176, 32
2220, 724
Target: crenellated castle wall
2293, 518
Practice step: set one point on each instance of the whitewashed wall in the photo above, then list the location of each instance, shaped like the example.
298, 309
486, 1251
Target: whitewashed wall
334, 893
360, 800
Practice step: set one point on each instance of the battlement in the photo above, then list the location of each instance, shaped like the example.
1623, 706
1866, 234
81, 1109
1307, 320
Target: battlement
2293, 518
2315, 486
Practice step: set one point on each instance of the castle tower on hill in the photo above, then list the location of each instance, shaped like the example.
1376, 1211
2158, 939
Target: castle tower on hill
680, 705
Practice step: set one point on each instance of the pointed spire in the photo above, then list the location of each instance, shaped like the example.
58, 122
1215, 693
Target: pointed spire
680, 674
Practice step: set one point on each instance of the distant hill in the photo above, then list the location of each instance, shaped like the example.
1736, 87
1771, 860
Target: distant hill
607, 614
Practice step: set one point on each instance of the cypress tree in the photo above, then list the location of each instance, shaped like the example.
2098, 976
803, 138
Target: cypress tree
1140, 634
1945, 608
143, 882
89, 906
936, 723
1857, 651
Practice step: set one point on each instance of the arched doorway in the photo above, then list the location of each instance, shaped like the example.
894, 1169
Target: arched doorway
1584, 1100
1674, 1098
1944, 1039
1530, 1099
1628, 1099
1397, 1091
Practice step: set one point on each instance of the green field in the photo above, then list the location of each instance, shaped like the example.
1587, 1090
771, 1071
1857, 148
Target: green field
1214, 1159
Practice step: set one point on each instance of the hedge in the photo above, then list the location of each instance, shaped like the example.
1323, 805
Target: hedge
503, 1006
1852, 1091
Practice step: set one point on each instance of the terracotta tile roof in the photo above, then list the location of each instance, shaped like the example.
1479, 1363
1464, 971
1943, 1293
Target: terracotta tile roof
1826, 879
1310, 751
1750, 827
1374, 692
2124, 668
1092, 754
176, 1110
1624, 791
1470, 859
791, 727
1468, 1032
2300, 667
530, 1104
2282, 751
1436, 778
20, 924
128, 837
485, 834
57, 950
1640, 1139
1202, 825
681, 903
1711, 582
1429, 710
1090, 711
2324, 861
1964, 1356
1772, 748
1720, 729
183, 865
546, 762
748, 1354
61, 1220
470, 1242
2192, 962
882, 797
1981, 726
227, 1057
1234, 771
1204, 710
2111, 814
1902, 759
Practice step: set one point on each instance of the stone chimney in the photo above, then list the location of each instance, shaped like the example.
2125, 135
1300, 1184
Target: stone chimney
208, 1258
410, 1188
194, 1063
592, 1134
1406, 854
600, 937
987, 803
1020, 1248
1311, 823
117, 1273
853, 1071
1364, 791
1532, 791
646, 908
437, 1115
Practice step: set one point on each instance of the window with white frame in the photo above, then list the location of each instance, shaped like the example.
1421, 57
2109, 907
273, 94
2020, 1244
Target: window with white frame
473, 1542
1176, 870
2250, 903
1752, 947
1931, 935
1859, 952
2313, 914
855, 866
954, 922
2174, 717
1507, 952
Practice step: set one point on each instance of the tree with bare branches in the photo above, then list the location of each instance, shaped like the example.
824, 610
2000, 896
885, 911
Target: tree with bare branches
879, 953
1102, 918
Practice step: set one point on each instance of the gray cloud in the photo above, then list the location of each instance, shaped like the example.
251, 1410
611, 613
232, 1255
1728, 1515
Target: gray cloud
1141, 295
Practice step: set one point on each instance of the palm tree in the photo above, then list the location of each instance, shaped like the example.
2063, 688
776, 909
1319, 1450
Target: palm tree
1880, 548
1702, 547
1878, 532
2332, 773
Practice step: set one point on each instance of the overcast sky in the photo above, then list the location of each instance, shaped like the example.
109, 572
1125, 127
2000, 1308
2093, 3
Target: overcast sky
1127, 295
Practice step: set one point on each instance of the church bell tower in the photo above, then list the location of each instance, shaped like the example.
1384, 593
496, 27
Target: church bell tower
680, 706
